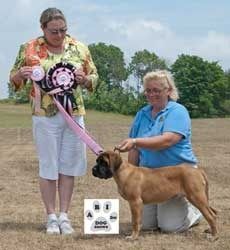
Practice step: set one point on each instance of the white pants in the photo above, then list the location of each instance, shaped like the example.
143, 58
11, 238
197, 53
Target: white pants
59, 149
174, 215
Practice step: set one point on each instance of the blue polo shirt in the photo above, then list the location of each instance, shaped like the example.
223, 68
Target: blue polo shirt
173, 118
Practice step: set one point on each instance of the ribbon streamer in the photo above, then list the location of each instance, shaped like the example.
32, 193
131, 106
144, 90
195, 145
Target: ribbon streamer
59, 82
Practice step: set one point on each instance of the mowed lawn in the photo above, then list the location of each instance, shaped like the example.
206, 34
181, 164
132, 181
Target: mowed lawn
22, 215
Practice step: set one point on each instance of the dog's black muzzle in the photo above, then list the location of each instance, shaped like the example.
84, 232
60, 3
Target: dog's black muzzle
101, 172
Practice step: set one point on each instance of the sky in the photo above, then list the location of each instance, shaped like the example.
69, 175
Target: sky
167, 27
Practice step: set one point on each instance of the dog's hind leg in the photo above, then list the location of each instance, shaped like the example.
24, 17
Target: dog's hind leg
201, 202
197, 193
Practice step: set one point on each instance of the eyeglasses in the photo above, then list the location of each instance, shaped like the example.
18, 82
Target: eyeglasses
62, 31
154, 91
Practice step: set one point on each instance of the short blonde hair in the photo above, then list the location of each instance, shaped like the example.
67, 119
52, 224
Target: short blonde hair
166, 80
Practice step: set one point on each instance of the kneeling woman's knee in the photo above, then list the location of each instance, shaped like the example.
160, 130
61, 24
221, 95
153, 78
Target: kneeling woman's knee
172, 215
174, 228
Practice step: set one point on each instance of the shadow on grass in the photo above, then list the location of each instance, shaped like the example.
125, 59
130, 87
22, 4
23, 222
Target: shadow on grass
124, 230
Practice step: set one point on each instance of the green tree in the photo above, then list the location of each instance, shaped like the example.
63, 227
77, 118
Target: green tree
225, 104
143, 62
201, 85
118, 100
110, 64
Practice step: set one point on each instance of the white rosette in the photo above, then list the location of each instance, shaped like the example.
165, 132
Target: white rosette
38, 73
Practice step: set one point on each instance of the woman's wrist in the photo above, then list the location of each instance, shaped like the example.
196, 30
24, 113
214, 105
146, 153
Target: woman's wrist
17, 79
134, 140
87, 84
18, 76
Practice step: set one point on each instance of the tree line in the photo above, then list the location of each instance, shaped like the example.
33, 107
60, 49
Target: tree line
204, 87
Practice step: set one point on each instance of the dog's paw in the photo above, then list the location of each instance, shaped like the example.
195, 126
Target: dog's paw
131, 238
209, 235
207, 231
212, 238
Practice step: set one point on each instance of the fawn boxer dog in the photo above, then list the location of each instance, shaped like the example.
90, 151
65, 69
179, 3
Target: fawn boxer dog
140, 185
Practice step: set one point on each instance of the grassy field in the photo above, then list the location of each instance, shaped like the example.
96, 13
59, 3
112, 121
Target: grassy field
22, 214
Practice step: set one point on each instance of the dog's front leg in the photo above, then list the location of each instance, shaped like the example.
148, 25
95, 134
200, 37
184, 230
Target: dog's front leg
136, 207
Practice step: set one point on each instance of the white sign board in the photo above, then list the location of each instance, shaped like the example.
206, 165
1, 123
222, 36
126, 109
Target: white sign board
101, 216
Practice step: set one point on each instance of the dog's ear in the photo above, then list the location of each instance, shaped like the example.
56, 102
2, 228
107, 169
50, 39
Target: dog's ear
115, 161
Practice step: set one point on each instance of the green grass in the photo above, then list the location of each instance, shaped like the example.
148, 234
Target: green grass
15, 116
19, 116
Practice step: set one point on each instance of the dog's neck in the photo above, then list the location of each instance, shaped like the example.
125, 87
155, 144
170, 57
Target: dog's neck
119, 173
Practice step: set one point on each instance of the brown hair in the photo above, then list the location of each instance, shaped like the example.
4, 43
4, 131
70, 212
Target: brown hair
49, 15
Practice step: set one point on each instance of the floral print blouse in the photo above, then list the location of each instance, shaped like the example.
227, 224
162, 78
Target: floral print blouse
35, 52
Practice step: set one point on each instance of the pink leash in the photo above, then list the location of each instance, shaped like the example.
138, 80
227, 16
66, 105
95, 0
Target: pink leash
84, 135
62, 75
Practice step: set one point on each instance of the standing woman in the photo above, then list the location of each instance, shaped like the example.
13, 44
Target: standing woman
161, 136
61, 154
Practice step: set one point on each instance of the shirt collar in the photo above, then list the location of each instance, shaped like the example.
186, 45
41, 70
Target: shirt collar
148, 109
68, 40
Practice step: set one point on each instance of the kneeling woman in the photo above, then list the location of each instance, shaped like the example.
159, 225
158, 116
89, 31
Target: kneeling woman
161, 136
